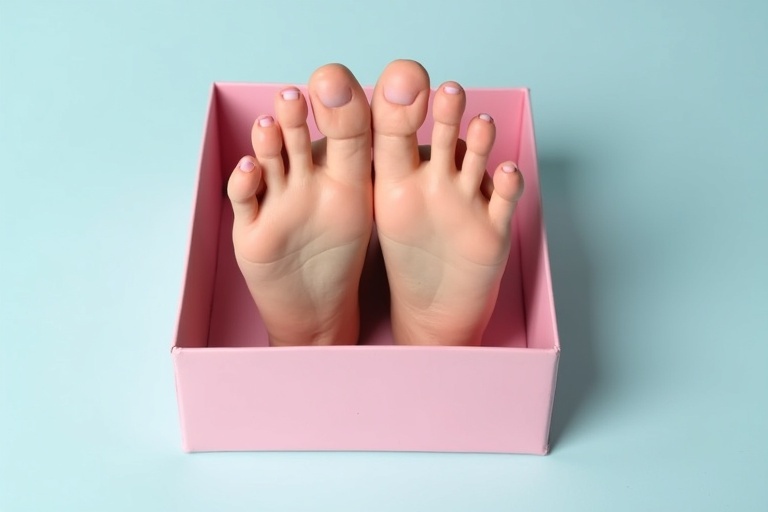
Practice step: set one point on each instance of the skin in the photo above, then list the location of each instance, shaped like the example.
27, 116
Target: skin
304, 211
303, 223
445, 242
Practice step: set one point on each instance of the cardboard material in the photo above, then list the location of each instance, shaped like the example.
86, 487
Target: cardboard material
237, 393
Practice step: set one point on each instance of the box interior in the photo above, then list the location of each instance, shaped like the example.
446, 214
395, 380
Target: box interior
217, 310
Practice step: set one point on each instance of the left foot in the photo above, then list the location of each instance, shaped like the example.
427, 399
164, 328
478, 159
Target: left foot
303, 221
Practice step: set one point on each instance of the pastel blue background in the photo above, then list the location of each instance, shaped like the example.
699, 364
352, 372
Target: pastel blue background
652, 125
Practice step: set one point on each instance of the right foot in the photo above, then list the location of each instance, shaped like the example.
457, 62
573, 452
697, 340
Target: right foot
445, 242
303, 221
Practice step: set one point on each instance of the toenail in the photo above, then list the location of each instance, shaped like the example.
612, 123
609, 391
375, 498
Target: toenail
334, 97
399, 95
290, 94
450, 89
265, 121
486, 117
509, 168
246, 165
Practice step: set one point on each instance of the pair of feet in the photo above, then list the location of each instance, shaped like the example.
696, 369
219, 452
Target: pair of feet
304, 211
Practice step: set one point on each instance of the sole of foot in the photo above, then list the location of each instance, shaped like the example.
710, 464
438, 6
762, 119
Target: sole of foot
304, 213
443, 223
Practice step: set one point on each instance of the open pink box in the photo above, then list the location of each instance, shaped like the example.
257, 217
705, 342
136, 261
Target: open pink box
237, 393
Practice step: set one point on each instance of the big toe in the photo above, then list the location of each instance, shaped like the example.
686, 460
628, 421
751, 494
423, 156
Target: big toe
343, 115
399, 107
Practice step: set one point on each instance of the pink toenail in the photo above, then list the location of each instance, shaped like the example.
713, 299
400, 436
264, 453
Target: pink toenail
246, 165
486, 117
509, 168
290, 94
334, 98
399, 95
451, 89
265, 121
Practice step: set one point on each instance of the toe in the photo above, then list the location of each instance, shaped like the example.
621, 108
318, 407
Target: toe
399, 107
291, 111
480, 136
241, 189
447, 109
508, 186
343, 115
268, 144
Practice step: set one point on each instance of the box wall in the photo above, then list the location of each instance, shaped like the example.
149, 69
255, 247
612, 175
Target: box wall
197, 294
537, 282
402, 399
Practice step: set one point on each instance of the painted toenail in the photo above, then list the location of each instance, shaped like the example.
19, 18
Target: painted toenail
450, 89
486, 117
246, 165
265, 121
509, 168
399, 95
290, 94
334, 97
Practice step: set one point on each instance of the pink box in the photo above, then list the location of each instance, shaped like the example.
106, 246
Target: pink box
237, 393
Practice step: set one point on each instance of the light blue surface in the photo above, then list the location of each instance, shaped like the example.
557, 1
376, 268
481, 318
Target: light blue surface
652, 125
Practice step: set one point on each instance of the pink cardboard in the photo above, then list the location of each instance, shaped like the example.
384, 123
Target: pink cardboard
237, 393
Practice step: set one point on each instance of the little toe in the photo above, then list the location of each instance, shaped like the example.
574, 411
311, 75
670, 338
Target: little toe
447, 109
481, 134
291, 111
399, 107
268, 145
242, 187
508, 185
343, 115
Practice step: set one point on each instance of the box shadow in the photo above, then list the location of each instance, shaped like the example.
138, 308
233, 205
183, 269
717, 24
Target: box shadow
572, 279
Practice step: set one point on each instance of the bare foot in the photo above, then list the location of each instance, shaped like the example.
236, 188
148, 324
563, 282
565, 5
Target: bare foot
303, 212
445, 242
